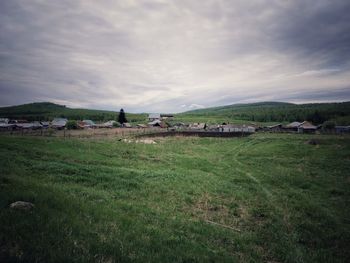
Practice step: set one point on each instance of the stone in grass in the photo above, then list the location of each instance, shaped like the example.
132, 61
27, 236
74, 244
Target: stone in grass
146, 141
22, 205
313, 142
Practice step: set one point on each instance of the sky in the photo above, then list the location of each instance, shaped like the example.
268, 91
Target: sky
173, 56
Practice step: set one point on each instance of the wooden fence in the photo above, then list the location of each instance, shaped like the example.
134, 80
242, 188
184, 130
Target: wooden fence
86, 133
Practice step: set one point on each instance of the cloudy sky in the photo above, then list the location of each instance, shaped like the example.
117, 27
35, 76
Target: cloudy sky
171, 56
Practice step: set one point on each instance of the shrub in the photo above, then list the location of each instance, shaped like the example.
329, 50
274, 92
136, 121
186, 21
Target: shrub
72, 125
328, 125
116, 124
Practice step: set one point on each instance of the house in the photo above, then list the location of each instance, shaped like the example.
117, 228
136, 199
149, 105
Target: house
21, 121
154, 116
293, 126
214, 128
158, 123
306, 127
179, 125
166, 116
4, 120
155, 123
301, 127
249, 129
29, 125
274, 128
230, 128
7, 126
36, 125
342, 129
59, 123
45, 124
197, 126
108, 124
164, 124
89, 124
126, 125
237, 128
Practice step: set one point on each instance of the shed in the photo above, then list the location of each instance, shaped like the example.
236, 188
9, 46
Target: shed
293, 126
108, 124
7, 126
45, 124
166, 116
29, 125
59, 123
141, 126
306, 127
237, 128
213, 127
89, 124
154, 116
126, 125
342, 129
198, 126
4, 120
155, 123
274, 128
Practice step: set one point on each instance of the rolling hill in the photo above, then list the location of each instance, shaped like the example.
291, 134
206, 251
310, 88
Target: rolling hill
267, 112
48, 111
274, 112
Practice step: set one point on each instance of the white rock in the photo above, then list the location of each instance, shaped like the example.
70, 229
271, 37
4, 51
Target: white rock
147, 141
21, 205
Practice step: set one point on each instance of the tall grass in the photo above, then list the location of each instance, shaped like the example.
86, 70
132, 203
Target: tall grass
265, 198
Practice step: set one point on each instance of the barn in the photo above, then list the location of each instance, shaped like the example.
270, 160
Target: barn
306, 127
153, 116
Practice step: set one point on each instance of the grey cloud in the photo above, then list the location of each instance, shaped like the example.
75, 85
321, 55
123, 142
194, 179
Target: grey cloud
320, 28
159, 55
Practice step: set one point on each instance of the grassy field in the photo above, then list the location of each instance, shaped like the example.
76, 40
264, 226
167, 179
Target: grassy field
264, 198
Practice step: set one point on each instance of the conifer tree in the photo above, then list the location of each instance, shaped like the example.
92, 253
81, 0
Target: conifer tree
121, 118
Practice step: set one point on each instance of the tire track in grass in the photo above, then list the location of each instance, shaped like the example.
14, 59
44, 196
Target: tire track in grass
273, 202
239, 149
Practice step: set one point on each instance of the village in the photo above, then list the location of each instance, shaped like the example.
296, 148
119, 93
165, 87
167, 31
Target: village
167, 123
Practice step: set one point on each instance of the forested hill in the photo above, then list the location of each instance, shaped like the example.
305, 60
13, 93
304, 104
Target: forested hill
277, 112
258, 112
48, 111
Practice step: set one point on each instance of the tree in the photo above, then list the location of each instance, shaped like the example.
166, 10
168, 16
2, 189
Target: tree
72, 125
316, 117
121, 118
328, 125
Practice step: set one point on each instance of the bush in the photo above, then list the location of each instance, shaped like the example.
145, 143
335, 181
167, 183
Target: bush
328, 125
72, 125
116, 124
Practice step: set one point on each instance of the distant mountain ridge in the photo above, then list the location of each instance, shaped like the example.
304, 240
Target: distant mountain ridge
47, 111
277, 112
256, 112
244, 105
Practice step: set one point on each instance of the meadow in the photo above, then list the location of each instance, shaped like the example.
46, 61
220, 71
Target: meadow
262, 198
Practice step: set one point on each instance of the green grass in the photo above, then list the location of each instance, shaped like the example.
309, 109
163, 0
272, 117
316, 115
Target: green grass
109, 201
